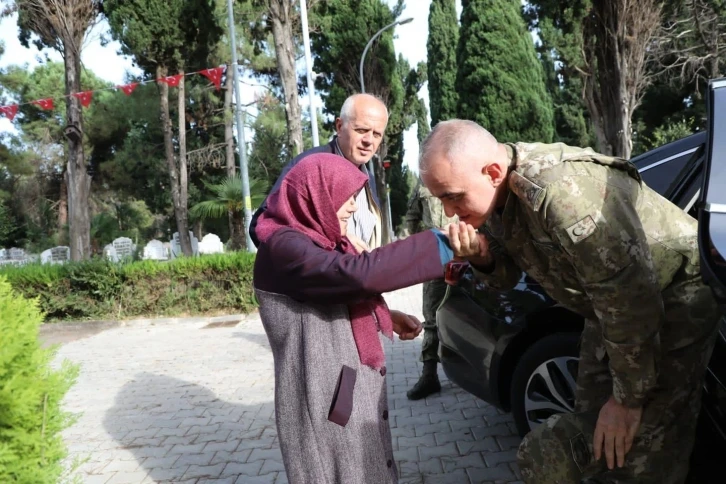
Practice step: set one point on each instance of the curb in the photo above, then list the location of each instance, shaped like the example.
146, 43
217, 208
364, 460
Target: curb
97, 326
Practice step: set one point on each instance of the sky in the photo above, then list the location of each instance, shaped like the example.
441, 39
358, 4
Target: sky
106, 63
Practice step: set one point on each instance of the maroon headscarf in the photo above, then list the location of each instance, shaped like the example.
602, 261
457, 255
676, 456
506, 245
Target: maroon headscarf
308, 201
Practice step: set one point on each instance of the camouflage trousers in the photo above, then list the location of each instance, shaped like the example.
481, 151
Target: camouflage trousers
433, 294
560, 451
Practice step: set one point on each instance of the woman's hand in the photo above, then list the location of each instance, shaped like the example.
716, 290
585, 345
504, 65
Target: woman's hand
407, 327
359, 245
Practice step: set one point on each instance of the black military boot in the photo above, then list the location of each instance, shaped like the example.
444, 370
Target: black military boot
427, 384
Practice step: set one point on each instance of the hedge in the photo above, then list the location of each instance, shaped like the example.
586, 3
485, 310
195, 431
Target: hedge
31, 390
101, 289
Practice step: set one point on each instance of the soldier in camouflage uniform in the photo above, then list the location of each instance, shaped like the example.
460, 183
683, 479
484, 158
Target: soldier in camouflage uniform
426, 212
606, 246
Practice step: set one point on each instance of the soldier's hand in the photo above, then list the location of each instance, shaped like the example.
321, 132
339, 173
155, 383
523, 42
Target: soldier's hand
405, 326
615, 431
359, 245
467, 243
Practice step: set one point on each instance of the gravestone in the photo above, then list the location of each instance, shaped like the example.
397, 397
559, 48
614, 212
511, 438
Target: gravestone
109, 252
56, 255
124, 248
211, 244
155, 250
16, 254
176, 250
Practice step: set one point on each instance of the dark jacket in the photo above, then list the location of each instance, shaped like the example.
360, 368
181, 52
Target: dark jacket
327, 148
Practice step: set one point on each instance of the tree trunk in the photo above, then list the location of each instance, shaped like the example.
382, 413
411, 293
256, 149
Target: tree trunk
180, 211
184, 240
229, 138
63, 206
281, 15
616, 50
79, 182
380, 174
238, 240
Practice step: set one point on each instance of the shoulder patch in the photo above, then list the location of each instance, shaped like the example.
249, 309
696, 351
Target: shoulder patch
582, 229
526, 190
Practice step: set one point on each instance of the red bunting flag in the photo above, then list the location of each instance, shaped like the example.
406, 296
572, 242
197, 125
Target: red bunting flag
85, 97
214, 75
9, 111
173, 81
128, 88
46, 104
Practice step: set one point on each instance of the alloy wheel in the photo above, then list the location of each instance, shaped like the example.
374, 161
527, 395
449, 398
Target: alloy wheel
551, 390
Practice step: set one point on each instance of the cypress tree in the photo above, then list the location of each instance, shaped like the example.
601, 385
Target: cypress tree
499, 79
441, 50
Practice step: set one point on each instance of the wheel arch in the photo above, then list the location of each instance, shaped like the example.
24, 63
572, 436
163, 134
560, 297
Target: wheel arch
538, 325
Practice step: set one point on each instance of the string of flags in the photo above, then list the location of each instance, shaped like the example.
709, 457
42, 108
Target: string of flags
48, 104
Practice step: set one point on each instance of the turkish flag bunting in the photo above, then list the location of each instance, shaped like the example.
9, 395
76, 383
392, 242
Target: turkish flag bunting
128, 88
214, 75
9, 111
173, 81
85, 97
46, 104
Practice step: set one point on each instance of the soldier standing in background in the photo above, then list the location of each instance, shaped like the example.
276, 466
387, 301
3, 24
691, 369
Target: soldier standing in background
426, 212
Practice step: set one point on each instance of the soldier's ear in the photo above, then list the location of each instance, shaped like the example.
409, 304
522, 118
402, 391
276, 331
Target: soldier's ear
495, 173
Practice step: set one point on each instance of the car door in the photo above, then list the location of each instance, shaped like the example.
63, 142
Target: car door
712, 210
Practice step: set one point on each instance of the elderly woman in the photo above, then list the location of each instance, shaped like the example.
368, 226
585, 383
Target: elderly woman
321, 307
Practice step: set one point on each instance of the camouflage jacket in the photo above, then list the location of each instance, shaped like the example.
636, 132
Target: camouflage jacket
424, 212
601, 243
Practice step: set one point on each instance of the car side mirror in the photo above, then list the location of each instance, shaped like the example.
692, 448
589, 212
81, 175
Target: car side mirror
455, 269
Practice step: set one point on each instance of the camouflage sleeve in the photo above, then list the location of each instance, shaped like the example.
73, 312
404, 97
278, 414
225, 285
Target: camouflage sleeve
505, 274
600, 231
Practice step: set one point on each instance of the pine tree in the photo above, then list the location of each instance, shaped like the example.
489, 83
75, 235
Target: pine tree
441, 50
499, 79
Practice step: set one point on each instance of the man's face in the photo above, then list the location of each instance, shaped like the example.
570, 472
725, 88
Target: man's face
463, 188
360, 136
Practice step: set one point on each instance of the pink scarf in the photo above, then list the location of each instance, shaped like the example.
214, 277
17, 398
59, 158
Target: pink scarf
308, 200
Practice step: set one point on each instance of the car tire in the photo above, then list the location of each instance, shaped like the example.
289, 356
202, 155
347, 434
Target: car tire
539, 380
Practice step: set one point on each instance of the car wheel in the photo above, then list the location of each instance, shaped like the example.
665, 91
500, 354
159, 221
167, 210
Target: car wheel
543, 382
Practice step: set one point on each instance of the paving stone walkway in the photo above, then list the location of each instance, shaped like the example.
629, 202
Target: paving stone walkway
190, 403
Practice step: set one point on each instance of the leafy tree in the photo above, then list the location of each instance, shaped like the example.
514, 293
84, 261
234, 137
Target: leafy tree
563, 83
37, 156
62, 26
591, 39
31, 394
692, 42
441, 50
499, 79
228, 198
7, 225
281, 18
166, 36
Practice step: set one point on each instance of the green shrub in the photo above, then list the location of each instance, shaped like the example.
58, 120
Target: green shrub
31, 419
100, 289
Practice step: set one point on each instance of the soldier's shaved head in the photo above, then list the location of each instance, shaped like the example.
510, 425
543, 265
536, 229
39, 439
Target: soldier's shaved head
453, 138
462, 164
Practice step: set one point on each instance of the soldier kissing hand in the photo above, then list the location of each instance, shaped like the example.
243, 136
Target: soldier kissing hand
467, 243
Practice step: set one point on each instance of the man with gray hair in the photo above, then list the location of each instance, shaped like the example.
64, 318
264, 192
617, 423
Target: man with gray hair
606, 246
359, 133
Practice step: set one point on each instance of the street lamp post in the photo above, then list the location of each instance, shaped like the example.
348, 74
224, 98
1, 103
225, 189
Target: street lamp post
309, 69
370, 42
241, 145
363, 89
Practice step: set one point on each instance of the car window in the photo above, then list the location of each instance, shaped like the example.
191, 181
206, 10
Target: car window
660, 175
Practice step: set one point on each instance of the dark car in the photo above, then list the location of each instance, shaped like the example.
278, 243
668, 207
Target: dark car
518, 350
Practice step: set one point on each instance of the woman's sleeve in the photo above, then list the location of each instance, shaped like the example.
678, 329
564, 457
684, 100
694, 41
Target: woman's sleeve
307, 272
